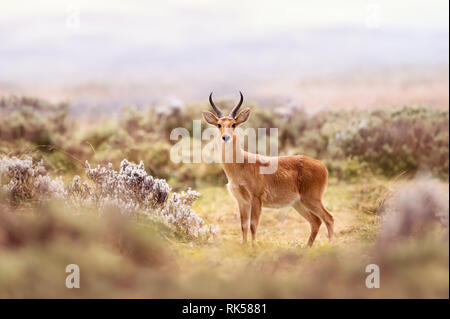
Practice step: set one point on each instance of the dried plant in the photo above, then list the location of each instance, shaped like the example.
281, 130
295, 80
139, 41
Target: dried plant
131, 190
28, 179
178, 212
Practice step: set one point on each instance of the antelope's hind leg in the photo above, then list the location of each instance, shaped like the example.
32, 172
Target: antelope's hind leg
313, 220
316, 206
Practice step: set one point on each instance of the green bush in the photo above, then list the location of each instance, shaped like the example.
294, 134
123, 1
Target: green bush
387, 142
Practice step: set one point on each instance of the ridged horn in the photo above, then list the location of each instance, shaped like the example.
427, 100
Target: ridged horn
215, 108
234, 111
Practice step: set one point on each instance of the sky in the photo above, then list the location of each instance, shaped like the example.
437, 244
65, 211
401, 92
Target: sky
265, 14
70, 42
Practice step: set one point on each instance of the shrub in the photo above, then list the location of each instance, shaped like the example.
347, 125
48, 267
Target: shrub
114, 253
129, 191
31, 119
402, 140
412, 209
28, 179
387, 142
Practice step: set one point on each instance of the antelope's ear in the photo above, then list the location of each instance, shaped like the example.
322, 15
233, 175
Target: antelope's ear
210, 118
243, 116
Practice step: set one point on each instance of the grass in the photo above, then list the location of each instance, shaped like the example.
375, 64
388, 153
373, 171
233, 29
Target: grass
281, 231
285, 227
136, 258
368, 153
279, 265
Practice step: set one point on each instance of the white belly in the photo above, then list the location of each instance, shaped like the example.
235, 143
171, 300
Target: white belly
280, 204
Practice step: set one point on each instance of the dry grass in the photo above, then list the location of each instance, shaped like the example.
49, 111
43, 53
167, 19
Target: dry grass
136, 258
279, 266
141, 257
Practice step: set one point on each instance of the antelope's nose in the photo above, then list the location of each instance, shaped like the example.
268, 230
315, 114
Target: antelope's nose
225, 138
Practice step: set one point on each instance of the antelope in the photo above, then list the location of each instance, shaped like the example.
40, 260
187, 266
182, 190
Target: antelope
298, 181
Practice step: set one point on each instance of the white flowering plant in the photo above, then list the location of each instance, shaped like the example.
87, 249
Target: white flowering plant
28, 179
130, 190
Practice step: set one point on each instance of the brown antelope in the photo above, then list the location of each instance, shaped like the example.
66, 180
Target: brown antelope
298, 181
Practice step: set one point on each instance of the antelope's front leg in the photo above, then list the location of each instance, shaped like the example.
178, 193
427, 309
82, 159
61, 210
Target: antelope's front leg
255, 214
244, 211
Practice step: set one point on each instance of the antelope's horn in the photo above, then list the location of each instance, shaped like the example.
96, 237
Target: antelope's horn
234, 111
215, 108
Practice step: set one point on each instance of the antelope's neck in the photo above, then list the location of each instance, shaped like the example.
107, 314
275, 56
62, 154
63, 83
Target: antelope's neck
234, 166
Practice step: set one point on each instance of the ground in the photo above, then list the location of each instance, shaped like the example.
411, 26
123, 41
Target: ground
281, 232
280, 266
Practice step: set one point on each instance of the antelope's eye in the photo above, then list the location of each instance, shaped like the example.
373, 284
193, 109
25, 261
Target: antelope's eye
234, 125
219, 125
